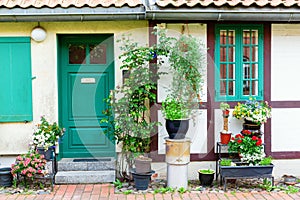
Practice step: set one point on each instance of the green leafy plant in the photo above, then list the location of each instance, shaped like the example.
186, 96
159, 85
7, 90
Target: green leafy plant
267, 185
292, 189
206, 171
118, 184
128, 113
253, 110
224, 106
225, 162
46, 134
164, 190
266, 161
126, 192
187, 60
173, 108
182, 190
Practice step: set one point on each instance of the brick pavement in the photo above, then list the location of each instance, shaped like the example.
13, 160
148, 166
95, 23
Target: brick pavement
106, 192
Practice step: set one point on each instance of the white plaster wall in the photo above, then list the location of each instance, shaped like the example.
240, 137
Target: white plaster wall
197, 133
174, 30
285, 62
285, 129
15, 137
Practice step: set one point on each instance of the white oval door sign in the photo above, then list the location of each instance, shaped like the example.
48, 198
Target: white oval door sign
88, 80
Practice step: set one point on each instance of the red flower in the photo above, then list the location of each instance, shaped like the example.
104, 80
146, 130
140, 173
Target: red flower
254, 138
246, 132
259, 142
239, 136
239, 141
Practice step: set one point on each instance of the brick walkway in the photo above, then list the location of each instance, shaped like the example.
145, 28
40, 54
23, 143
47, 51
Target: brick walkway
106, 191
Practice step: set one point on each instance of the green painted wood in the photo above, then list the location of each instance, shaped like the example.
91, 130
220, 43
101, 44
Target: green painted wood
238, 92
82, 88
15, 79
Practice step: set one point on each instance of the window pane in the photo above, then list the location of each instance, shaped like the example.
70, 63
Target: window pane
254, 54
223, 71
255, 88
246, 54
231, 54
246, 71
222, 88
77, 54
254, 70
231, 37
246, 87
246, 36
254, 36
223, 54
231, 71
223, 37
98, 54
231, 88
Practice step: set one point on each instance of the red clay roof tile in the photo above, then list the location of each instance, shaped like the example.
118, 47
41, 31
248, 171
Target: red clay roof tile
68, 3
232, 3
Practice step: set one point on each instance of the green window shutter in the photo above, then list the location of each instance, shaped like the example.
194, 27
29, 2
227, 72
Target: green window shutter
239, 62
15, 79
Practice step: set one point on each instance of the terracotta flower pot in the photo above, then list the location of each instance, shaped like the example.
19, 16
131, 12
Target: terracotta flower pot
225, 137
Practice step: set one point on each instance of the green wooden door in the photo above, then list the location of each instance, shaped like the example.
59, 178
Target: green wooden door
86, 76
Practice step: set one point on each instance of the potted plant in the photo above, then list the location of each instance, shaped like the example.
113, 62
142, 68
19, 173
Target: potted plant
186, 58
177, 116
253, 112
45, 137
206, 176
225, 134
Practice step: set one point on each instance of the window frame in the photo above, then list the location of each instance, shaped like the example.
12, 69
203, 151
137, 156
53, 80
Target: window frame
238, 61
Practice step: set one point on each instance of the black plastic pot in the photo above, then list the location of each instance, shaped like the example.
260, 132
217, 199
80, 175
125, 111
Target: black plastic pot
49, 154
5, 177
177, 129
141, 181
206, 179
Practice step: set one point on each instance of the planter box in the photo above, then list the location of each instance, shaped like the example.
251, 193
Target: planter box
237, 172
245, 171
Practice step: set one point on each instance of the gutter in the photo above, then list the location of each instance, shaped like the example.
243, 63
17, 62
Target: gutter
71, 14
223, 14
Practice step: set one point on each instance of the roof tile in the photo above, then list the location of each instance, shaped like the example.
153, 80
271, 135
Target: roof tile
232, 3
68, 3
